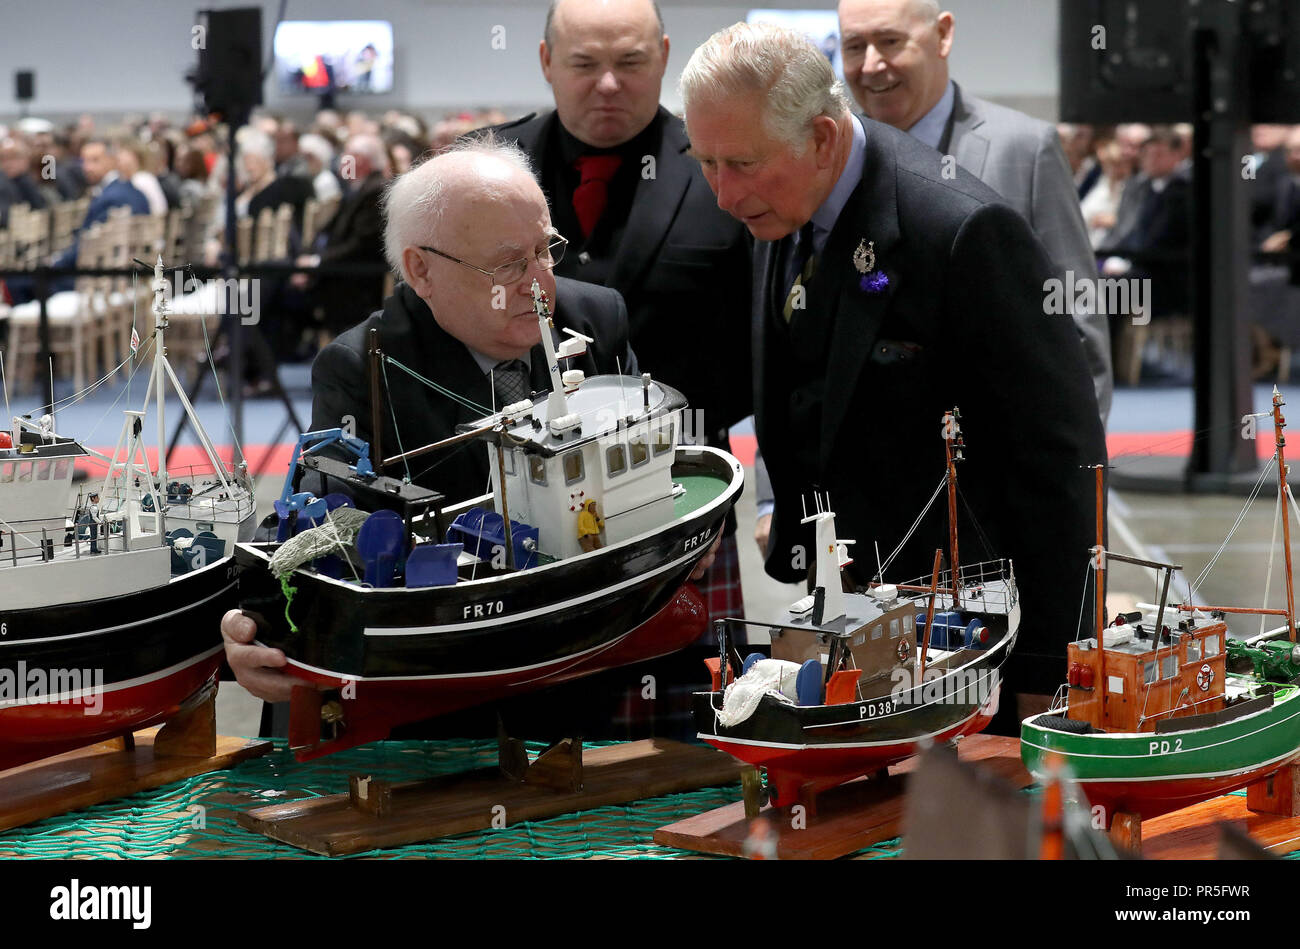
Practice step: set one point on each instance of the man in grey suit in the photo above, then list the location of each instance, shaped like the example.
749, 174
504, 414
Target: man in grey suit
896, 64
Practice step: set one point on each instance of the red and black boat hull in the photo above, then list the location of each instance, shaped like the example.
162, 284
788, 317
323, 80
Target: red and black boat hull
811, 748
134, 660
404, 655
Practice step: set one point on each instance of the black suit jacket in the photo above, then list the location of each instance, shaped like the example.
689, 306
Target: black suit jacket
409, 334
354, 235
683, 267
962, 323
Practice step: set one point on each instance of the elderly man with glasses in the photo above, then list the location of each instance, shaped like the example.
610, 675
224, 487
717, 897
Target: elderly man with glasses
468, 232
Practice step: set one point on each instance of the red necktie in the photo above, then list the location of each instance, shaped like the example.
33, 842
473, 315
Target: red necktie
592, 193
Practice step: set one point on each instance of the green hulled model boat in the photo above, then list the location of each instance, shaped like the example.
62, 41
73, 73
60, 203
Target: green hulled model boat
1159, 718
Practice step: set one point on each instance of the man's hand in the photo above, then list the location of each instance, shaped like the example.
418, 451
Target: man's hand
1102, 219
1276, 243
706, 561
299, 281
256, 668
762, 528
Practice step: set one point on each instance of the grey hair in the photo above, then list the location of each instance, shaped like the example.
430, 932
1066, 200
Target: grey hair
414, 202
794, 77
548, 33
256, 142
369, 146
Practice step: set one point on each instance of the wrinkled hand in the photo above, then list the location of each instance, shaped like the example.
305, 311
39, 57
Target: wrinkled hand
762, 529
256, 668
706, 561
1276, 243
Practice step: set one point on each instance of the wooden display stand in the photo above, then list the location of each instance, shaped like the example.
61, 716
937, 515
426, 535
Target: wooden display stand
186, 746
1269, 814
563, 779
839, 821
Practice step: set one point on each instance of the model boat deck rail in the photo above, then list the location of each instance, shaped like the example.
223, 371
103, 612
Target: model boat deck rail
976, 581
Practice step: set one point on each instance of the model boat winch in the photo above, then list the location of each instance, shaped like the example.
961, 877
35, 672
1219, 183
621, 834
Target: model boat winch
859, 681
399, 606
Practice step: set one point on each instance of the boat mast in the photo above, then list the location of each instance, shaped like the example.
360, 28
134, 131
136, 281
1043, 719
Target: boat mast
557, 405
1099, 578
1283, 496
159, 358
953, 447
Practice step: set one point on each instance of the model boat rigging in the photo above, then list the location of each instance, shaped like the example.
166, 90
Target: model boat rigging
108, 621
399, 606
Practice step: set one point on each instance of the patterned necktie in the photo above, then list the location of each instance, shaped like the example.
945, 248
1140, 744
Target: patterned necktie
510, 382
592, 193
802, 265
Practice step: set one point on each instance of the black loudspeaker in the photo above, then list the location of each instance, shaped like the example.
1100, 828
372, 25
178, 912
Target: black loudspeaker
229, 75
1274, 29
24, 85
1124, 61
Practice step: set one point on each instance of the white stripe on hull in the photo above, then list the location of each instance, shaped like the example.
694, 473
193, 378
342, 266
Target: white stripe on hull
66, 698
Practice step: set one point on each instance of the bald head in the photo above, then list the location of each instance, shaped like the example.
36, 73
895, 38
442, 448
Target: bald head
553, 11
605, 61
895, 57
456, 224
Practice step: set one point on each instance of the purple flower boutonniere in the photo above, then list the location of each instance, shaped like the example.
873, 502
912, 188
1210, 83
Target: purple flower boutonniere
864, 260
875, 282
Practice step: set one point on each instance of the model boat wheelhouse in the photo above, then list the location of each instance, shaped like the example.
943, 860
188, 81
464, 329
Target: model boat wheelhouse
572, 564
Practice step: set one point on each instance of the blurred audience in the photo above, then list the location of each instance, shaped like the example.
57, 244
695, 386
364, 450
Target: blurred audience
16, 183
1154, 224
1101, 203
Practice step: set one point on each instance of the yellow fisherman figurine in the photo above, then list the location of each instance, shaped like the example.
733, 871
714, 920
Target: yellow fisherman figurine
590, 524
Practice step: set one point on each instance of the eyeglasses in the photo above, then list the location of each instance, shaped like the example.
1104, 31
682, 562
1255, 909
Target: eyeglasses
514, 271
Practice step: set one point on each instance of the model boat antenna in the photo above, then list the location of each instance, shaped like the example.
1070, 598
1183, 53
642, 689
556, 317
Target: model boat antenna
829, 560
557, 406
1283, 494
4, 384
1099, 584
954, 451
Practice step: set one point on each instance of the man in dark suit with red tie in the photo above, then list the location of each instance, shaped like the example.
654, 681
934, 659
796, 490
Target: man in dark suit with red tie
641, 219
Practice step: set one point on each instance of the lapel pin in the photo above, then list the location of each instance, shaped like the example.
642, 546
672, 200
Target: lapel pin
864, 258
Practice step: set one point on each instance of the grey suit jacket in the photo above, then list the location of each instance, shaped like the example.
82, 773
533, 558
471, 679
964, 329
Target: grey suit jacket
1020, 158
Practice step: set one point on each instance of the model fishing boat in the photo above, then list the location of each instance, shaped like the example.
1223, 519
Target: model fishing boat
109, 621
1170, 712
854, 683
401, 607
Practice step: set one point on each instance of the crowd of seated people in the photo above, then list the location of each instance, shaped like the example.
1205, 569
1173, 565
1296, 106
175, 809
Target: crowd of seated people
330, 171
1134, 185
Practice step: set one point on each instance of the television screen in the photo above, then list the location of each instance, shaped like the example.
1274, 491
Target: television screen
316, 57
820, 26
